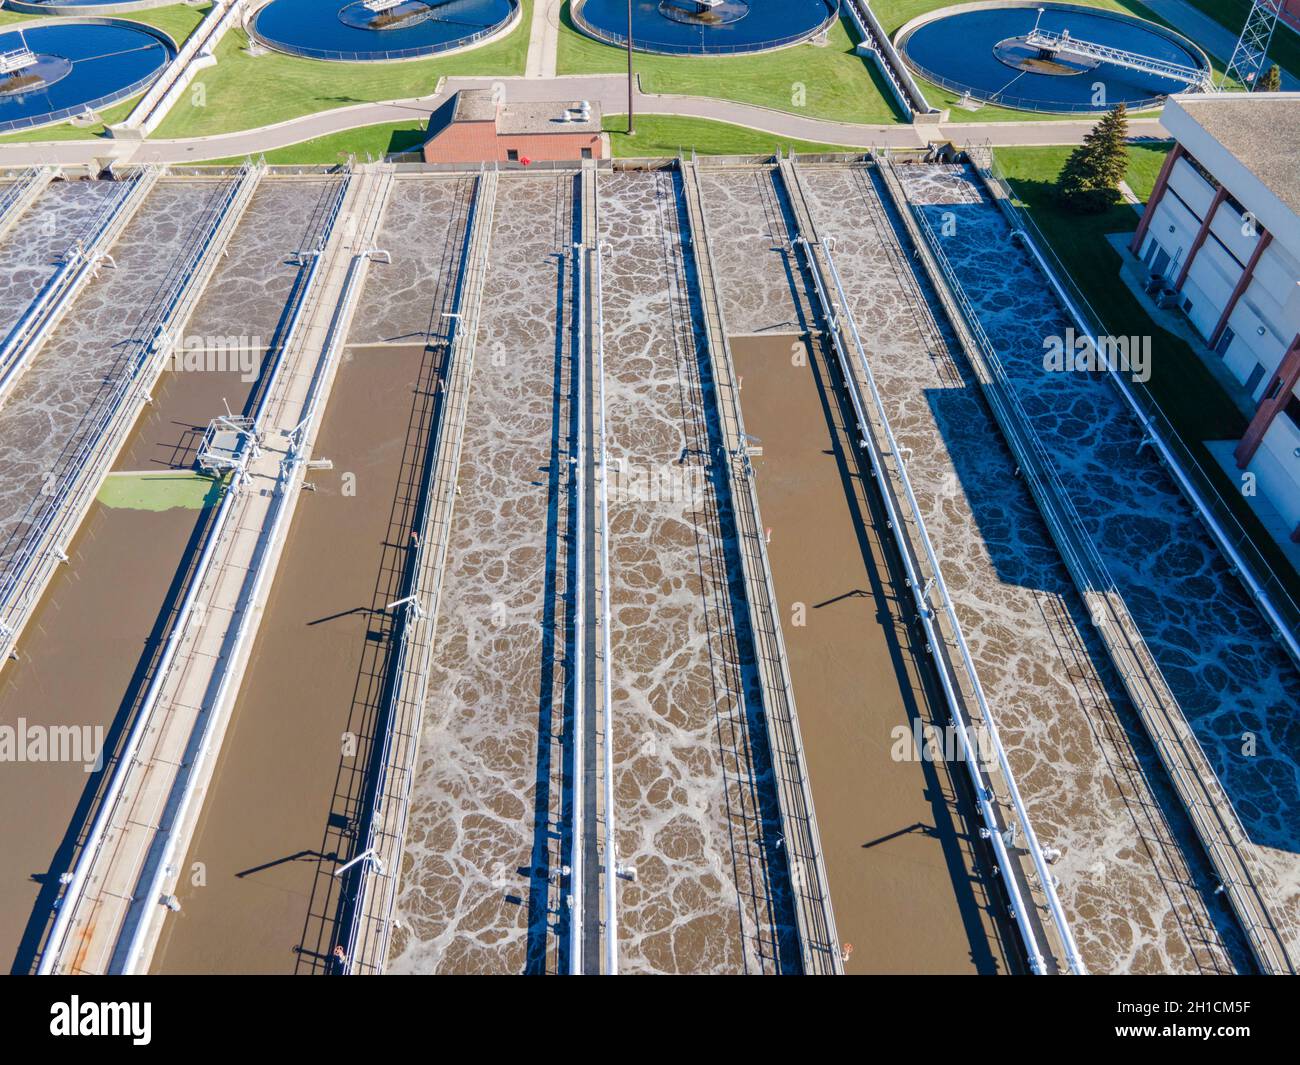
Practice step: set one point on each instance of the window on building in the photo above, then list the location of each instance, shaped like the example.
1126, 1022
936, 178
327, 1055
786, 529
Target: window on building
1252, 382
512, 155
1221, 348
586, 153
1187, 306
1292, 410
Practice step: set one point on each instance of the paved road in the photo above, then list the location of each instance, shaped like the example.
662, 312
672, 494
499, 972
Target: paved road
609, 90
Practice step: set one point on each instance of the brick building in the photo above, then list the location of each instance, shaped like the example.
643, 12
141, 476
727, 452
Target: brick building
476, 127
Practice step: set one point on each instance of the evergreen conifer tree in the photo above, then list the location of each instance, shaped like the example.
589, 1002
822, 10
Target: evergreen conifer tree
1089, 181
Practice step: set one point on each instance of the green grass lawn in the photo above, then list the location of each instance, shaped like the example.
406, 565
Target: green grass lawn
244, 92
378, 140
656, 135
65, 131
177, 21
1144, 163
1190, 396
819, 81
659, 135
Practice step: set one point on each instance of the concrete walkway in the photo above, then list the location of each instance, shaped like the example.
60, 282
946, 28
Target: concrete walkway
609, 89
1211, 35
543, 39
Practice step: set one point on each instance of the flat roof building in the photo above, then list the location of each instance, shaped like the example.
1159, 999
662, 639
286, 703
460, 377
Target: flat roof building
482, 126
1222, 228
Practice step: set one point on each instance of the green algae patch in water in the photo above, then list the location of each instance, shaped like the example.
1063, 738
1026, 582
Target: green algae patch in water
159, 491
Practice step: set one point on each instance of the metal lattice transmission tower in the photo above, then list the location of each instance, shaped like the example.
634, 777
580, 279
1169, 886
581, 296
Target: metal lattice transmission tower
1249, 56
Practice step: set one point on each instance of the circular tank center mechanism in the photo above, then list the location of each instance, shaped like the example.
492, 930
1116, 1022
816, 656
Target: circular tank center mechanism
385, 14
704, 12
1019, 54
23, 71
704, 27
1029, 57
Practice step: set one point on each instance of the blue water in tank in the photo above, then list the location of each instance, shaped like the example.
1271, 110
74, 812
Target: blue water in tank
957, 51
88, 64
345, 30
677, 27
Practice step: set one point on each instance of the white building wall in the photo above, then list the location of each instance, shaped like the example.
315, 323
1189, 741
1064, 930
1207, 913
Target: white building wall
1196, 192
1216, 273
1277, 275
1267, 316
1174, 228
1250, 346
1277, 469
1237, 235
1266, 319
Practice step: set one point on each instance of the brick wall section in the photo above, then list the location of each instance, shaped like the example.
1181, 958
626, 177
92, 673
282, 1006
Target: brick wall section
478, 142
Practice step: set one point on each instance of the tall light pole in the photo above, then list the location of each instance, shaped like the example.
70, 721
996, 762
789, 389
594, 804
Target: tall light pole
630, 129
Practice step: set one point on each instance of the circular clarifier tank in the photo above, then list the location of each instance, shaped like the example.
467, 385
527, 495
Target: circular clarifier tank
376, 30
79, 7
55, 70
705, 27
1050, 57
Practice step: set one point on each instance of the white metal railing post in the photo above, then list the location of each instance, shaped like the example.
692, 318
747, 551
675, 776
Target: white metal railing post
606, 621
578, 467
983, 793
72, 894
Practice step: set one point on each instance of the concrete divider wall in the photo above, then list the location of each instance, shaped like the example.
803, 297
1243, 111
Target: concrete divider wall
20, 196
197, 52
909, 95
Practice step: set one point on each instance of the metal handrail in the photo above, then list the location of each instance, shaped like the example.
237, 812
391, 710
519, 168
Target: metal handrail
49, 118
1263, 584
576, 900
1220, 830
372, 811
751, 546
16, 189
75, 888
1046, 881
157, 100
176, 637
875, 38
77, 265
606, 621
1026, 103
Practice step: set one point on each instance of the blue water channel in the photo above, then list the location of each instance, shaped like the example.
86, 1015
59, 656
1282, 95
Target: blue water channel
1238, 690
